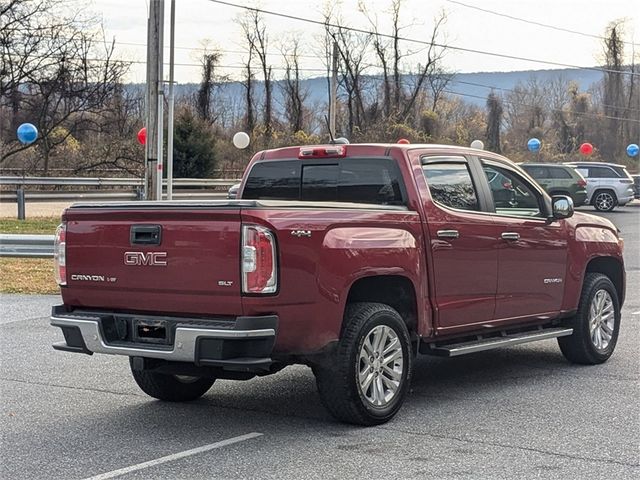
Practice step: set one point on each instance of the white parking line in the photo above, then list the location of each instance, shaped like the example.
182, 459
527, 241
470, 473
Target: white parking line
636, 313
175, 456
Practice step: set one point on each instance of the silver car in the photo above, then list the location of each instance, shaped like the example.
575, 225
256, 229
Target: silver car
608, 184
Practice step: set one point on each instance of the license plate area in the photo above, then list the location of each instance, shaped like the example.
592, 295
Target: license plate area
151, 331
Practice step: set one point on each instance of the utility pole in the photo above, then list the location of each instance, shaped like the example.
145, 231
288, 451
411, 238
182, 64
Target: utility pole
333, 101
154, 62
171, 103
160, 101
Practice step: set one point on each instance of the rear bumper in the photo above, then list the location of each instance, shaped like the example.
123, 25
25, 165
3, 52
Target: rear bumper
236, 343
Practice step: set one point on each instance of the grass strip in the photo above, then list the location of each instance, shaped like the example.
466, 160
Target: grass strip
27, 275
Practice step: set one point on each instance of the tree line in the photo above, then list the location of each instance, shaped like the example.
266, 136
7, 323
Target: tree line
59, 71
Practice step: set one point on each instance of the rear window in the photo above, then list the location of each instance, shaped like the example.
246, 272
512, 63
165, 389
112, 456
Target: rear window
375, 181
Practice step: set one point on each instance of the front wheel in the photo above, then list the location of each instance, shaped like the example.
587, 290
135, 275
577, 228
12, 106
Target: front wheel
596, 323
604, 201
171, 388
366, 382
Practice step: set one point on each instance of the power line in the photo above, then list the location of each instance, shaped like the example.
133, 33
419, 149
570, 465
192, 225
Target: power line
510, 90
532, 22
413, 40
588, 114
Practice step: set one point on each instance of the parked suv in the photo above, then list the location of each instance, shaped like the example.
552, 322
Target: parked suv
636, 185
559, 180
608, 184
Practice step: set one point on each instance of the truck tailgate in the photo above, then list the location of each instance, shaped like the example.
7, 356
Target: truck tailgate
114, 260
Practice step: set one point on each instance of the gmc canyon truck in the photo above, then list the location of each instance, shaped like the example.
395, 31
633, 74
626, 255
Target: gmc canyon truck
351, 259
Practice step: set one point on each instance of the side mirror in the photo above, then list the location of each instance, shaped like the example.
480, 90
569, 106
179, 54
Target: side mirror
562, 206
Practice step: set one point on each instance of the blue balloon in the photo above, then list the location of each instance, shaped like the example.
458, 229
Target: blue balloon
632, 150
534, 144
27, 133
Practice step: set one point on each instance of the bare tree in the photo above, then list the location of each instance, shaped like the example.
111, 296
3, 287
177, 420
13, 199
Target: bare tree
60, 73
255, 32
205, 92
494, 121
291, 86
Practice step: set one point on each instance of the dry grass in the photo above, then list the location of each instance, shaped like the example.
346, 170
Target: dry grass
27, 275
35, 225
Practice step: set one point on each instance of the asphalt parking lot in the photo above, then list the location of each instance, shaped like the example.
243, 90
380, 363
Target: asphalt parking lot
519, 412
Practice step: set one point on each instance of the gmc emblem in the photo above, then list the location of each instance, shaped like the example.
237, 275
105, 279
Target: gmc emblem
157, 259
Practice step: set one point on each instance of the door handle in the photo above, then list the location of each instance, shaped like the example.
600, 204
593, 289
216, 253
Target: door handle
510, 236
448, 234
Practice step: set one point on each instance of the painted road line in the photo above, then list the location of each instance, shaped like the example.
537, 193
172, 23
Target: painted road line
636, 313
175, 456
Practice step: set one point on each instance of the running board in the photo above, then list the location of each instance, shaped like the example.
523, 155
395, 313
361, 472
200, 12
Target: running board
481, 344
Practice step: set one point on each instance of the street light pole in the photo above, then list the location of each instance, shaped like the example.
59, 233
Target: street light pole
171, 104
160, 101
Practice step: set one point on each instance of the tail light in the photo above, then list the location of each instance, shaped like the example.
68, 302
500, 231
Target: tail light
582, 183
259, 262
60, 255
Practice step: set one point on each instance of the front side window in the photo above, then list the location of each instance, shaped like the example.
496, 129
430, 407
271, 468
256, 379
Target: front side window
536, 171
559, 173
512, 195
450, 184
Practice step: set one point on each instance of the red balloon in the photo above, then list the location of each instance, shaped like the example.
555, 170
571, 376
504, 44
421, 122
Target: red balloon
404, 141
142, 135
586, 149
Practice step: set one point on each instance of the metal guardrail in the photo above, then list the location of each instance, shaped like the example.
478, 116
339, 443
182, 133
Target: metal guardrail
35, 246
61, 196
113, 182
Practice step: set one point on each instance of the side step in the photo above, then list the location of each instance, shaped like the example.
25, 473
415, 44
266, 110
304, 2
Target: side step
481, 344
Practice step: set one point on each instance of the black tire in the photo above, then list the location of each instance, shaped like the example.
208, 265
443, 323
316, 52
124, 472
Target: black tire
604, 200
338, 382
580, 347
171, 388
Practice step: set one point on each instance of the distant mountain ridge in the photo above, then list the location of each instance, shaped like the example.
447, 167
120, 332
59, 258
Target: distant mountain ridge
473, 87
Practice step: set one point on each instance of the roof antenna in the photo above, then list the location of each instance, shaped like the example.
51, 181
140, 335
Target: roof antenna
332, 142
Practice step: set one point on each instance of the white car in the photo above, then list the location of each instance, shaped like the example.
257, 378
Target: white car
608, 184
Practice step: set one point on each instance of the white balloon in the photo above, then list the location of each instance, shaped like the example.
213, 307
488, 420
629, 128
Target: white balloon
241, 140
479, 144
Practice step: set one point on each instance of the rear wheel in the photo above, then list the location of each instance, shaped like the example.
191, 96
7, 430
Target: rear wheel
367, 380
595, 325
171, 388
604, 200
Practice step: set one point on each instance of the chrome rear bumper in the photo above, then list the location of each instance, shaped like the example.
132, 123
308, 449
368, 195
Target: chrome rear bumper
234, 344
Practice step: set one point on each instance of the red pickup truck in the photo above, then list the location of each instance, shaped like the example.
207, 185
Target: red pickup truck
351, 259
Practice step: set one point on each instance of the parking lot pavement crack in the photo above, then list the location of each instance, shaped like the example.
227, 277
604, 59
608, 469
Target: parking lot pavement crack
83, 389
514, 447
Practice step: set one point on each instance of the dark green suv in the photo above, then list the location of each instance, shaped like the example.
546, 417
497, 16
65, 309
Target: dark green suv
559, 180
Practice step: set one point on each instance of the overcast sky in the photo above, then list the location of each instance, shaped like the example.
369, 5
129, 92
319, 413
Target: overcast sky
203, 20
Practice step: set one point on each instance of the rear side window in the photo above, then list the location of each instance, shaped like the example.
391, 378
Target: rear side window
375, 181
450, 184
602, 172
559, 173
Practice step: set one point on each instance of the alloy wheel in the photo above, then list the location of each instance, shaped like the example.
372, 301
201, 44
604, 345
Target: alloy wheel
604, 201
601, 319
380, 366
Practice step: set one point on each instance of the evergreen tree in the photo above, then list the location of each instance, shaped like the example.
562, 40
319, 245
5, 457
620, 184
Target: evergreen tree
193, 147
